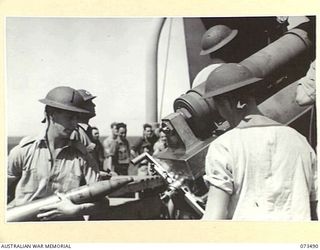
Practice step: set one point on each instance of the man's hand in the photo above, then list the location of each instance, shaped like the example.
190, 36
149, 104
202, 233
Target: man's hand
64, 208
91, 147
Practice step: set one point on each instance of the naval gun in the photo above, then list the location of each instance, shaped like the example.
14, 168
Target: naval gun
195, 122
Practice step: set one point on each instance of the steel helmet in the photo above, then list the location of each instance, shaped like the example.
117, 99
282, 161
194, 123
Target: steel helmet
65, 98
228, 77
216, 37
202, 76
86, 95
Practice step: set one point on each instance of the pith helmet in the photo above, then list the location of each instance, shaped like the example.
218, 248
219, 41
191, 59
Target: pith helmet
86, 95
216, 37
65, 98
228, 77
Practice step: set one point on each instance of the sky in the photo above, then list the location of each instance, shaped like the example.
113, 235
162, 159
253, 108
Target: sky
106, 56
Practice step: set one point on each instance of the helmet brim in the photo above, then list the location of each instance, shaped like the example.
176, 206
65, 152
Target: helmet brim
62, 106
219, 45
89, 98
232, 87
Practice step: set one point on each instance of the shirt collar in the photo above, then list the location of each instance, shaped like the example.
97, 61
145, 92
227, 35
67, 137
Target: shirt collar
42, 139
257, 121
84, 126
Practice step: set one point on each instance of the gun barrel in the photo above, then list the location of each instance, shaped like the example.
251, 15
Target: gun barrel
87, 193
281, 52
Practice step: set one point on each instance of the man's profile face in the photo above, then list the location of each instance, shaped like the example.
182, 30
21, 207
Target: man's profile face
148, 132
122, 133
114, 130
90, 106
95, 134
163, 137
64, 122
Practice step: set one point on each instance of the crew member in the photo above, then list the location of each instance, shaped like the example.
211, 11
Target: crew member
234, 39
260, 169
84, 128
161, 144
148, 140
306, 95
98, 152
108, 141
52, 163
306, 89
118, 159
218, 42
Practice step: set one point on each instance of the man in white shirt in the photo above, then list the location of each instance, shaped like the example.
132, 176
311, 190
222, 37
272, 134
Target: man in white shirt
260, 169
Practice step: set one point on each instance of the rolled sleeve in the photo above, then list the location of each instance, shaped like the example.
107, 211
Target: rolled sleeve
218, 168
91, 171
14, 172
15, 163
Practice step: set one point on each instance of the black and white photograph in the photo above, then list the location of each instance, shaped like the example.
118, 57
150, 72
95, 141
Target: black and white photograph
160, 118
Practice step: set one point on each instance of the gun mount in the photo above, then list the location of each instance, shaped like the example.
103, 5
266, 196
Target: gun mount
196, 122
174, 182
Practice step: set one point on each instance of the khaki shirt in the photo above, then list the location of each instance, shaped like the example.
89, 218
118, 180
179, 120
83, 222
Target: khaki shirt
39, 176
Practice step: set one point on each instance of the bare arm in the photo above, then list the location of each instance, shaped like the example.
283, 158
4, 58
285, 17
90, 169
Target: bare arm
217, 204
108, 165
66, 209
302, 98
108, 162
306, 89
